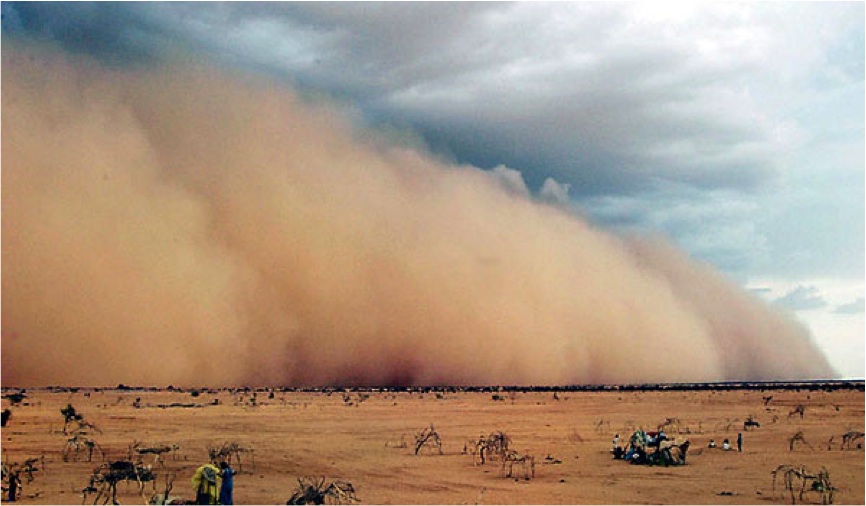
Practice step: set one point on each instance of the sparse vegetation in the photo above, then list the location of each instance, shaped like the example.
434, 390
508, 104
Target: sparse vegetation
526, 463
851, 437
70, 415
798, 437
801, 480
428, 437
228, 450
312, 439
15, 398
494, 445
798, 410
311, 491
103, 482
77, 444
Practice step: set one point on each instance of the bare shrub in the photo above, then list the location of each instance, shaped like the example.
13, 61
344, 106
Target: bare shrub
312, 491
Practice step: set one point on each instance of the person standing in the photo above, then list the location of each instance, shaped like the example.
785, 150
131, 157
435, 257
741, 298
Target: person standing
228, 483
739, 441
205, 482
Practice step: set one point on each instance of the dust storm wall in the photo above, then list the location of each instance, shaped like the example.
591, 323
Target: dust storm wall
190, 226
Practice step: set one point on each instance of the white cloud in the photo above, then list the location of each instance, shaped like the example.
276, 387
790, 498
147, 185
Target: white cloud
511, 179
554, 192
802, 298
856, 307
838, 335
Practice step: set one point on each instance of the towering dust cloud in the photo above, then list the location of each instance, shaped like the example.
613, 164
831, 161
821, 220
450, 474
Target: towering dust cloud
190, 227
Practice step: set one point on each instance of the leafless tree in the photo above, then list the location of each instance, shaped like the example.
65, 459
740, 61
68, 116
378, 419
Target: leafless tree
798, 410
798, 436
428, 437
526, 462
104, 480
77, 444
495, 444
851, 437
799, 477
229, 450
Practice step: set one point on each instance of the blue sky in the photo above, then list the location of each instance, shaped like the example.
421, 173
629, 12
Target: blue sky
735, 129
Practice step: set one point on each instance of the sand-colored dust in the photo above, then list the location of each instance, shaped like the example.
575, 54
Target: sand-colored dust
297, 434
152, 215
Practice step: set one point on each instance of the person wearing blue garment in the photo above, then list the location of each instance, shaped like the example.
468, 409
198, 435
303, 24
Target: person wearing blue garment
228, 483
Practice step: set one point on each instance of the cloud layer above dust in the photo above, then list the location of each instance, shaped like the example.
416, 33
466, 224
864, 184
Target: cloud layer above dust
191, 226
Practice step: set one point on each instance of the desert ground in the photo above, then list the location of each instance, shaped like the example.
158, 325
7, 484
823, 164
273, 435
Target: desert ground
367, 438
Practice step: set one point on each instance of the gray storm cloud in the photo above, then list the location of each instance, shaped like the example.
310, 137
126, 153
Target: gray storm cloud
191, 226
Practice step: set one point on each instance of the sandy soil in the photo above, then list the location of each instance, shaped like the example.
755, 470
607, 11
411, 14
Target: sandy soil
297, 434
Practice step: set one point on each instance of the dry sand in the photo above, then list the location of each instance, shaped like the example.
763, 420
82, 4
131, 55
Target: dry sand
296, 434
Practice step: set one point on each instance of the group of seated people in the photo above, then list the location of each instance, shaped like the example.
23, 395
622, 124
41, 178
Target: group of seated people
726, 445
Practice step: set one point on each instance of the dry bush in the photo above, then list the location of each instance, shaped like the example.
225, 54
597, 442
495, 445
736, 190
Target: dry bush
802, 479
428, 437
229, 450
312, 491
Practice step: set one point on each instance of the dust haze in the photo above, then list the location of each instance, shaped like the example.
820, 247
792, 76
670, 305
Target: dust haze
186, 225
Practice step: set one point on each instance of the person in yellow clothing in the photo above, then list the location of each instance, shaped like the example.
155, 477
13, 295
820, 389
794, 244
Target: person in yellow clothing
206, 484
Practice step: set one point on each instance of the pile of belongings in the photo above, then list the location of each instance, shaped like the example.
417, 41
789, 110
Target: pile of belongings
653, 449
